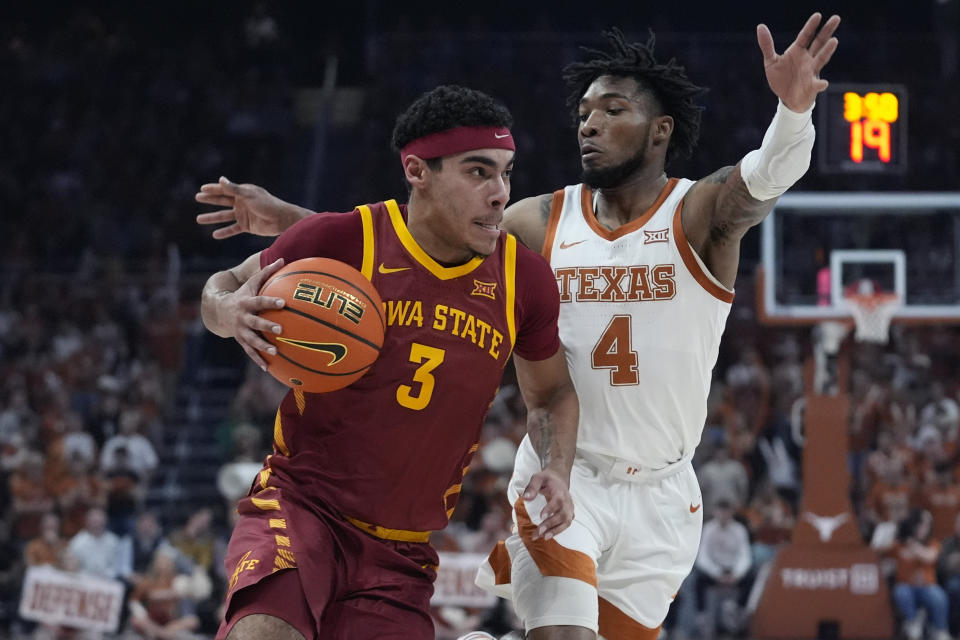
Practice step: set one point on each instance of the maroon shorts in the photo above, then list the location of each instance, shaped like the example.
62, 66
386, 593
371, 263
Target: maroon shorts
329, 579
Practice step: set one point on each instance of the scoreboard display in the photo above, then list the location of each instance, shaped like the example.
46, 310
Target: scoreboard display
862, 128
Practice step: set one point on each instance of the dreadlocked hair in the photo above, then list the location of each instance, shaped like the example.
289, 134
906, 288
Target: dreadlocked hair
447, 107
667, 82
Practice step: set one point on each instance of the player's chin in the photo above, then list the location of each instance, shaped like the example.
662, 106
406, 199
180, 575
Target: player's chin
592, 162
483, 240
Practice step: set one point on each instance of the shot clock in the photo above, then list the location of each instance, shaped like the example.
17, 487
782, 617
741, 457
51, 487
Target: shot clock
863, 128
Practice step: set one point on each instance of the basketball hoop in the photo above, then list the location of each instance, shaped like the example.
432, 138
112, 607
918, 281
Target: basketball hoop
872, 313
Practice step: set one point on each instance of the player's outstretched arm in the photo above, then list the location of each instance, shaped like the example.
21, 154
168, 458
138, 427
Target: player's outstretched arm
229, 306
249, 209
552, 417
722, 207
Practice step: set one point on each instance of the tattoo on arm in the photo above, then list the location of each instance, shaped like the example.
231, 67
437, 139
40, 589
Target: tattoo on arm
719, 231
546, 203
542, 426
719, 177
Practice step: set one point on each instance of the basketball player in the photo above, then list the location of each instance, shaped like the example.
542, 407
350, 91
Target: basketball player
645, 265
332, 540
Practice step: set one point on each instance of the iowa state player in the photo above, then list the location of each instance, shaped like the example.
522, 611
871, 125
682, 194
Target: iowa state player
646, 266
332, 541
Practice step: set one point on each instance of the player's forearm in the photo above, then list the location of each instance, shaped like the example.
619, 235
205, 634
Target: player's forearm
212, 307
553, 431
783, 156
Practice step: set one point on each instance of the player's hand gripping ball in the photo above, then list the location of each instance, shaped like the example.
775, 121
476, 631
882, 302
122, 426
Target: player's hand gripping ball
332, 325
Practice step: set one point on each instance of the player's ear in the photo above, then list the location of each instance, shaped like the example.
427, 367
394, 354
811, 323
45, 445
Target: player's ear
662, 129
414, 169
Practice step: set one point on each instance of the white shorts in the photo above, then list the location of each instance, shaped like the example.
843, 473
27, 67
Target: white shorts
619, 565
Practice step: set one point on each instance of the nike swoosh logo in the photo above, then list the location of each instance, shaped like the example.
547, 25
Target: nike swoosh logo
567, 245
335, 349
499, 137
694, 509
384, 269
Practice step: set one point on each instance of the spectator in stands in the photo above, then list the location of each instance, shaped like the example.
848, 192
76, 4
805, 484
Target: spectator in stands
165, 338
930, 454
97, 550
942, 499
723, 564
887, 505
140, 452
80, 490
125, 491
48, 547
256, 401
31, 500
234, 477
77, 443
17, 417
723, 479
916, 584
942, 412
146, 539
158, 609
748, 383
104, 417
948, 574
887, 457
771, 522
195, 540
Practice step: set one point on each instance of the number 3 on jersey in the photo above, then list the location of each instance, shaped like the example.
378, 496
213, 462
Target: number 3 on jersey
614, 351
429, 358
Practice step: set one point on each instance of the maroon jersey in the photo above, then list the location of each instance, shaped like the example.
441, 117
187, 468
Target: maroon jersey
390, 451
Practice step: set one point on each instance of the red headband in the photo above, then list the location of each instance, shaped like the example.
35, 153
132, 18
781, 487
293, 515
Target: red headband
458, 140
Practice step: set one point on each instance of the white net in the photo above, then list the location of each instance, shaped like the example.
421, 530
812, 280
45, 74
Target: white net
872, 313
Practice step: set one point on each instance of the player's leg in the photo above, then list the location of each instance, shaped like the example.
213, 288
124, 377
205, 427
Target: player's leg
656, 547
265, 588
554, 581
553, 593
376, 616
274, 607
258, 625
387, 590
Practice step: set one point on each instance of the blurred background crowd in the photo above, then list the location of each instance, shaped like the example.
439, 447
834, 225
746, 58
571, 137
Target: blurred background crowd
127, 433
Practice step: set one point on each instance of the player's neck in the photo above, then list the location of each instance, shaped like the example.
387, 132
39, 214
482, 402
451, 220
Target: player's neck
628, 200
418, 223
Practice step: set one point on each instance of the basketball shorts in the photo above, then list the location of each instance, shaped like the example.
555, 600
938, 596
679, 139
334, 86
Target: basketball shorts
619, 565
323, 575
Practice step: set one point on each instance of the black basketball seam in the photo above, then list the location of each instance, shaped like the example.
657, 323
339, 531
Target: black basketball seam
324, 373
383, 321
332, 326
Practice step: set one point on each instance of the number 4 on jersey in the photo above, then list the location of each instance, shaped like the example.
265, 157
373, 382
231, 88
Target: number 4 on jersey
614, 351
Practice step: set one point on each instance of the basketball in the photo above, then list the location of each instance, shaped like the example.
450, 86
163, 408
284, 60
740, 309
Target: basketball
332, 325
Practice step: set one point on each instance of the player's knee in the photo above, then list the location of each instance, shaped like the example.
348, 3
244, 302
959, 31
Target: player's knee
257, 626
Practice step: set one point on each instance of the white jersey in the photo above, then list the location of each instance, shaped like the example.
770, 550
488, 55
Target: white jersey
641, 319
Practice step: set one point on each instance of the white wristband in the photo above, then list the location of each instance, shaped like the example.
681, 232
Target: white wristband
783, 157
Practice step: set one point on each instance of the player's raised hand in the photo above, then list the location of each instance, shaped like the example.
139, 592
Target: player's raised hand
794, 75
558, 512
242, 308
250, 209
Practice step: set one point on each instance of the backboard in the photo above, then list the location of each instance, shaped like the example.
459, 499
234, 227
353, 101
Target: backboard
818, 248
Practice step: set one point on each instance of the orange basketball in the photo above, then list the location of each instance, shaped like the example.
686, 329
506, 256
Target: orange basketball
332, 325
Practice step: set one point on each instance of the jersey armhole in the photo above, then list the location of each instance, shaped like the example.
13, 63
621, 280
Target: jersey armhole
556, 206
366, 220
693, 262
